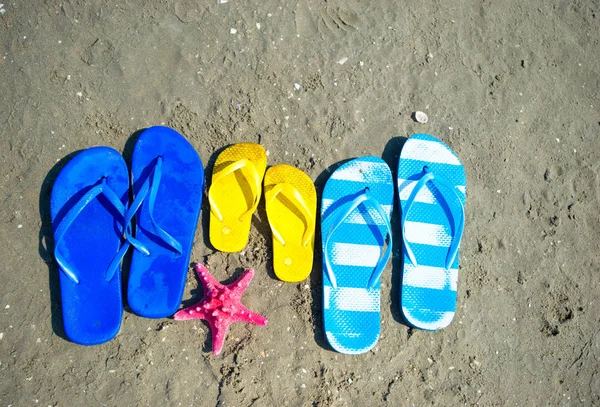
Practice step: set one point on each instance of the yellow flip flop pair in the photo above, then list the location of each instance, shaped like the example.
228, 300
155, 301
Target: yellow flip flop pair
291, 205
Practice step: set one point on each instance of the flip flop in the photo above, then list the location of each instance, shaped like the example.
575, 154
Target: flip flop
234, 194
168, 179
432, 189
87, 207
291, 205
355, 221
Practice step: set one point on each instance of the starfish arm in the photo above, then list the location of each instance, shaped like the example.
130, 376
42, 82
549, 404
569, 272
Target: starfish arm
193, 312
219, 331
243, 314
207, 280
239, 286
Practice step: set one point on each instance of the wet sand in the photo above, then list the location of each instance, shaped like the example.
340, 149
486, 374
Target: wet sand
512, 87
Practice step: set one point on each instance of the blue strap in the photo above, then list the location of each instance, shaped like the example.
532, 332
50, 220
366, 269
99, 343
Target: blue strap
70, 217
128, 214
457, 226
150, 189
364, 197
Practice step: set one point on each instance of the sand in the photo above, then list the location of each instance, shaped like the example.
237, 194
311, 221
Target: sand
511, 86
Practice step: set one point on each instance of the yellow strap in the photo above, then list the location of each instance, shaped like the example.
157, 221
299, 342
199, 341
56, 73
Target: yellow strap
244, 163
291, 193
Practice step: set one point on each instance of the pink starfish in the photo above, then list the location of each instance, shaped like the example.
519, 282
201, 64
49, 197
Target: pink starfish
221, 306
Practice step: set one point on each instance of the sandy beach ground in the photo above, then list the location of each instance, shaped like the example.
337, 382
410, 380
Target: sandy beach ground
513, 87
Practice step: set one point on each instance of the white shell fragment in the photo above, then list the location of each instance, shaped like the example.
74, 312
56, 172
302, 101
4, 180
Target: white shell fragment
343, 61
233, 31
421, 117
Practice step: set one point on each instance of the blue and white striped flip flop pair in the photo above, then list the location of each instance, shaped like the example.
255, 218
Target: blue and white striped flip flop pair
355, 224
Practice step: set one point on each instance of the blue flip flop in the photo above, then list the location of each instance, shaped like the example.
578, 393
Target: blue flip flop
88, 209
432, 191
168, 180
355, 221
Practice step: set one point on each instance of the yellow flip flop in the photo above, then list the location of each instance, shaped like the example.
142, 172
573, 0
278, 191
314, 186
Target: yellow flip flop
234, 194
291, 204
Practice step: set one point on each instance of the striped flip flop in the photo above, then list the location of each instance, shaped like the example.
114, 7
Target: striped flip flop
432, 190
355, 222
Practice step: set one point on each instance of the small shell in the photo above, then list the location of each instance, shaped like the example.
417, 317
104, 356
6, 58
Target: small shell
420, 117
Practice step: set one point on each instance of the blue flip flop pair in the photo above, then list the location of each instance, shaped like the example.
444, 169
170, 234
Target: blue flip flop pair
355, 223
92, 222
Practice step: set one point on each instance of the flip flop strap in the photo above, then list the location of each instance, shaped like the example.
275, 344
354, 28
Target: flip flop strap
70, 217
243, 163
149, 189
291, 193
365, 197
458, 224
